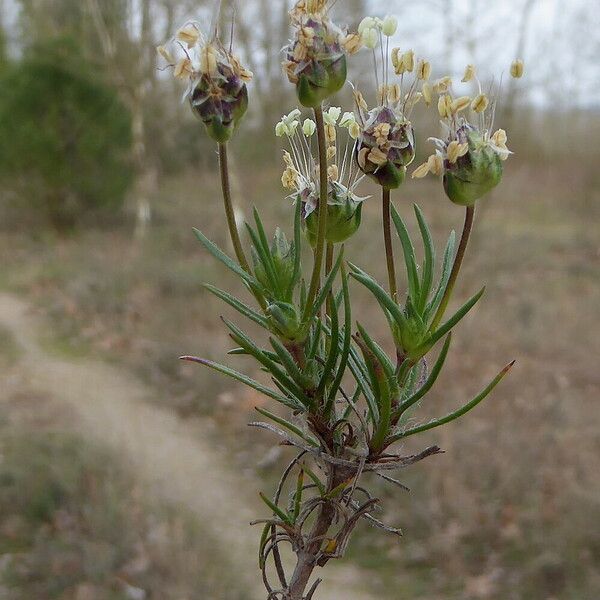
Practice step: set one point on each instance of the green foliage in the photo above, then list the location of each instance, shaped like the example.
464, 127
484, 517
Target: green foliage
64, 135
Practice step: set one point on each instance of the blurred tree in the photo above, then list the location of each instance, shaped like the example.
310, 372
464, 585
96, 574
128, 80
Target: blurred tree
64, 136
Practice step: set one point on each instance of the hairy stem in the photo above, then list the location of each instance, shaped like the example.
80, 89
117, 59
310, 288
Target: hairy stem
315, 281
229, 213
458, 259
389, 248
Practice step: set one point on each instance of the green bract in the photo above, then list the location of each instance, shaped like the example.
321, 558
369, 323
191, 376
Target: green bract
344, 212
220, 106
474, 174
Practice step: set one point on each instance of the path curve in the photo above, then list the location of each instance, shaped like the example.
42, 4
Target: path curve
115, 409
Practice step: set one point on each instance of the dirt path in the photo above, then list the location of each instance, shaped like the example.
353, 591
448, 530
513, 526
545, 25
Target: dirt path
113, 408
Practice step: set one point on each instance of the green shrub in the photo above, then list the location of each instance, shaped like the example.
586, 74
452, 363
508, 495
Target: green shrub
64, 135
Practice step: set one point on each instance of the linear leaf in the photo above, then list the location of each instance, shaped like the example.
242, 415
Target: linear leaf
429, 261
347, 340
244, 379
290, 426
437, 367
444, 277
276, 510
451, 322
457, 413
242, 308
228, 262
409, 253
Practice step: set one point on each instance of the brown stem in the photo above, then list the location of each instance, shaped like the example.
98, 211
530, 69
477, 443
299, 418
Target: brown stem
460, 254
308, 556
389, 248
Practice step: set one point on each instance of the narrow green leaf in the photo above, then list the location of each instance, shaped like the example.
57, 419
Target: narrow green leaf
438, 334
385, 415
347, 340
437, 367
245, 342
376, 349
228, 262
327, 285
457, 413
263, 543
297, 250
276, 510
409, 254
380, 294
447, 263
242, 308
298, 495
429, 260
288, 362
243, 379
285, 423
334, 350
263, 256
315, 480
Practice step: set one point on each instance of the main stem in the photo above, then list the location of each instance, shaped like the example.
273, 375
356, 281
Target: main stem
229, 213
315, 281
460, 254
389, 248
309, 555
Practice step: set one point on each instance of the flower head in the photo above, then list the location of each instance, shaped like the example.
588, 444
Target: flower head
468, 156
315, 58
216, 80
301, 174
386, 142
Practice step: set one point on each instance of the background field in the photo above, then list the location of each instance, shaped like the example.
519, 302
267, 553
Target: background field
510, 511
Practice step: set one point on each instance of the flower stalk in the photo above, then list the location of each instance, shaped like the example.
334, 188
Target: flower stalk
458, 260
387, 238
315, 281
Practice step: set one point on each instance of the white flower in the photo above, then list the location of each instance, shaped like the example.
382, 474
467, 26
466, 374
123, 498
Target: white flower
281, 129
370, 38
332, 115
292, 116
347, 119
309, 127
366, 23
390, 25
